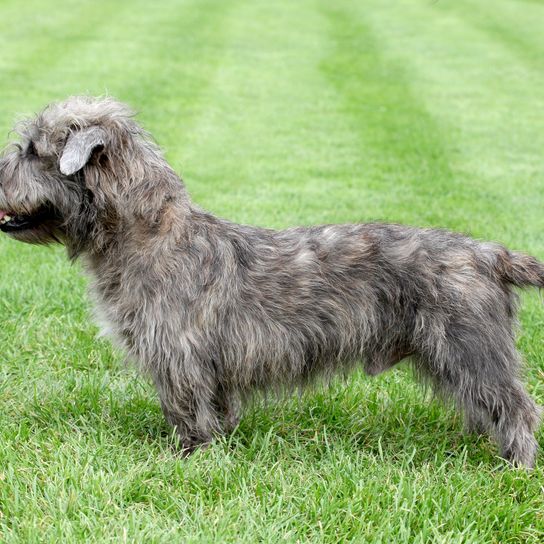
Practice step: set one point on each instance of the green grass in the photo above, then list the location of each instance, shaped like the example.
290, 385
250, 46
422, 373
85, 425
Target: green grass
277, 113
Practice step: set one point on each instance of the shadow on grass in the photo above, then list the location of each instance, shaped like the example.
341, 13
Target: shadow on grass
352, 421
415, 435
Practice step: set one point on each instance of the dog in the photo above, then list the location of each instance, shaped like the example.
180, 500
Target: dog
214, 311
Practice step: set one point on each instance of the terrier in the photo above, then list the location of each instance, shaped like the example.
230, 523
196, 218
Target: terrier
214, 311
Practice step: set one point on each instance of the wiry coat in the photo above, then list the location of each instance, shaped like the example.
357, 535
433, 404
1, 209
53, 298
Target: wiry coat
213, 311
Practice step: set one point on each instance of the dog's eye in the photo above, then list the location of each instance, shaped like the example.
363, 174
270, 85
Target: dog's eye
31, 150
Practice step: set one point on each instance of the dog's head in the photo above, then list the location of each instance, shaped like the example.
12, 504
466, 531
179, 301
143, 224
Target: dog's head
77, 165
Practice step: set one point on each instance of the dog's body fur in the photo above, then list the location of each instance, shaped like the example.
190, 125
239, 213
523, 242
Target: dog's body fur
213, 311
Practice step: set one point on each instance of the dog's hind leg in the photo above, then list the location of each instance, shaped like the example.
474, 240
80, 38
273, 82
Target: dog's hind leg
478, 367
511, 415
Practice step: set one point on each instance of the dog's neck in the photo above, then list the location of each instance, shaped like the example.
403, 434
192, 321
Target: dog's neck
150, 212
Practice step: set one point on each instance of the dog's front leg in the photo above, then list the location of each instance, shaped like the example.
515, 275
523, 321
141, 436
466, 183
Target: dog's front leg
188, 405
228, 406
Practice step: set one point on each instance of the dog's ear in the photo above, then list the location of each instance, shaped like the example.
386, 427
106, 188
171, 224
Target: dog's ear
79, 147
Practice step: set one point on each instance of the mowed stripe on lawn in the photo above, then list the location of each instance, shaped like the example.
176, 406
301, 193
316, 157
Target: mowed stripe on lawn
40, 46
487, 97
159, 62
308, 118
269, 148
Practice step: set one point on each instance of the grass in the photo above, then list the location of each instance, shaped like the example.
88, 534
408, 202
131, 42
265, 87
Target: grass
277, 113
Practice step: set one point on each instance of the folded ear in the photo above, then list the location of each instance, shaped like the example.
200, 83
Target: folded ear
79, 147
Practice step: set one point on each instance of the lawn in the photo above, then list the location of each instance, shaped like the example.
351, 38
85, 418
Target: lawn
278, 113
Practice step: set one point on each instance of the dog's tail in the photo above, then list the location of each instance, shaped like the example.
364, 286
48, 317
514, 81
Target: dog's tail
519, 269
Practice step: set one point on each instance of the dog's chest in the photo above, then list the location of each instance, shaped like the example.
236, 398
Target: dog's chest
142, 328
108, 323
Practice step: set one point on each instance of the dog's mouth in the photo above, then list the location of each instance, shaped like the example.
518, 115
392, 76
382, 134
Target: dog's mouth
12, 222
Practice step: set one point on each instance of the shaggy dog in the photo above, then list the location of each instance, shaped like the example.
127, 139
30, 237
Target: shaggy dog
214, 311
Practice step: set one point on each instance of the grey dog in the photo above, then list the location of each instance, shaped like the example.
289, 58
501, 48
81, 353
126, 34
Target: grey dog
214, 311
